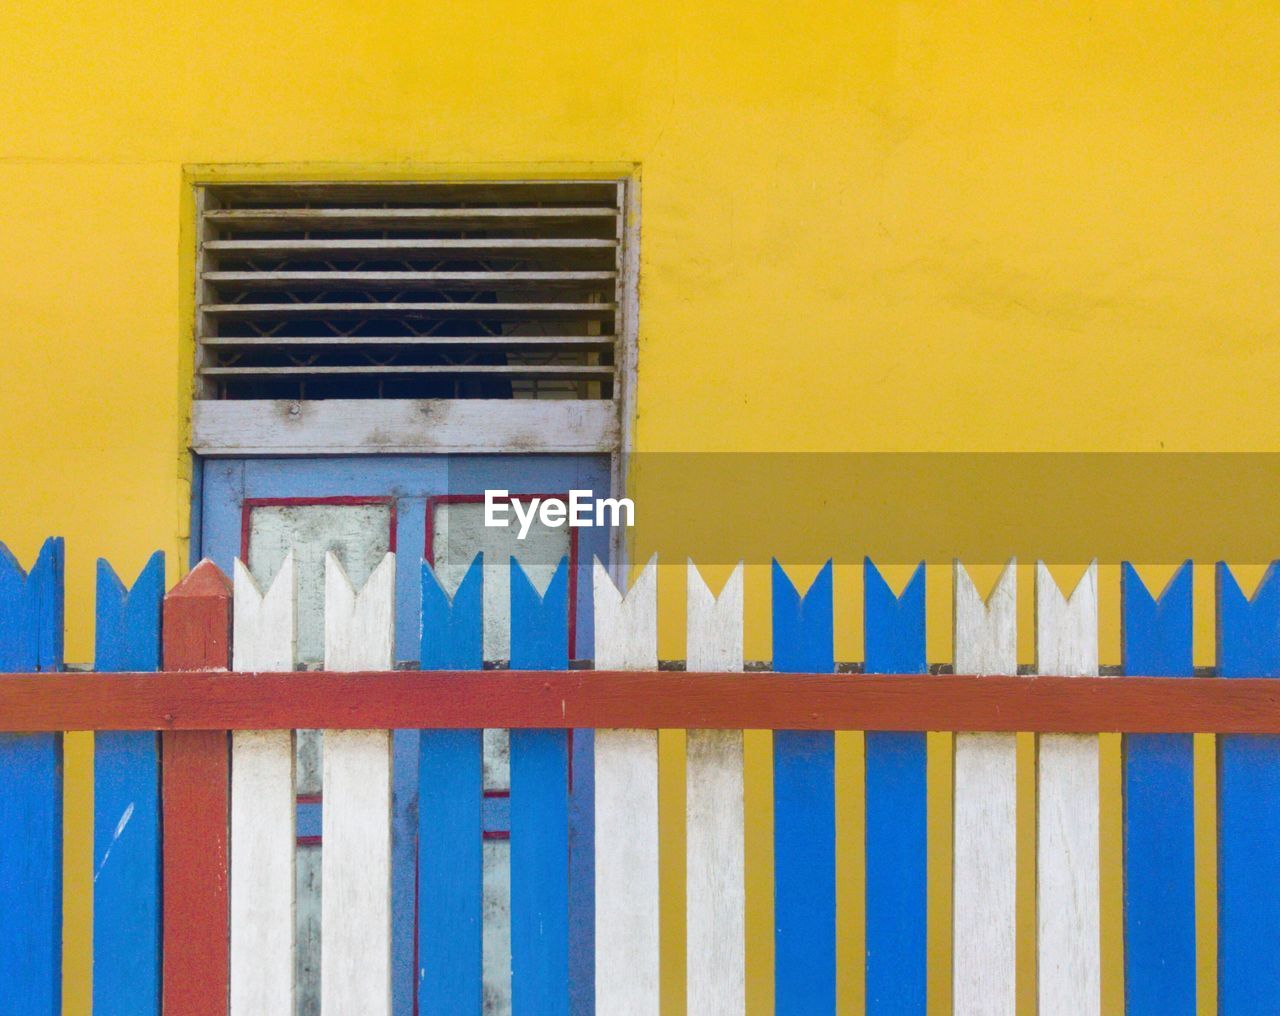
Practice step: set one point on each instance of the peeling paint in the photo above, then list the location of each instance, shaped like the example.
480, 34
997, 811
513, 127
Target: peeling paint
120, 826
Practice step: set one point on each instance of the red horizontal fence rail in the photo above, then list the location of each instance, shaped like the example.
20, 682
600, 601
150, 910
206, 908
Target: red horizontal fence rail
212, 700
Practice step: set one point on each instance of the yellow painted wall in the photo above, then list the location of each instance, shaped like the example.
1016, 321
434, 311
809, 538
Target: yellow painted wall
865, 226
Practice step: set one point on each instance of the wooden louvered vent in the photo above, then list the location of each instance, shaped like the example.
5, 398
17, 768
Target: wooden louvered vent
409, 291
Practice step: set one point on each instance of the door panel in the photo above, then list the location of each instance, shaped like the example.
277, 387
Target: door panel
408, 480
359, 531
456, 533
360, 507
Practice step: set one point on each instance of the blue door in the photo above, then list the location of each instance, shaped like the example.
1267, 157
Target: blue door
423, 508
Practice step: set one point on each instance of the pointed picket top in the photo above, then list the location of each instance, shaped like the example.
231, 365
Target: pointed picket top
626, 624
986, 632
13, 577
713, 624
127, 623
1155, 635
1067, 626
359, 627
265, 626
196, 626
31, 608
803, 626
453, 626
206, 579
893, 626
539, 621
1248, 626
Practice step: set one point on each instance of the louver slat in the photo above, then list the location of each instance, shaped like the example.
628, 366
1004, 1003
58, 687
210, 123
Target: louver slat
381, 218
550, 370
418, 280
532, 341
433, 308
511, 246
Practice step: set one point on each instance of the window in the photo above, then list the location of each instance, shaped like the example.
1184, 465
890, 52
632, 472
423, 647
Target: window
310, 294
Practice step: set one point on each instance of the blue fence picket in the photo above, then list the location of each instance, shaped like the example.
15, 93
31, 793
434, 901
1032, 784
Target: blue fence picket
31, 609
804, 811
897, 808
1159, 830
450, 799
1248, 807
126, 795
540, 808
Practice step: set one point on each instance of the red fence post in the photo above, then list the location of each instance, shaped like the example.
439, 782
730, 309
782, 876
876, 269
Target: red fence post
197, 636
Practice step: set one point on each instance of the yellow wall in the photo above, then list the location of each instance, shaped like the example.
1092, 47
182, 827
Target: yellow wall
986, 225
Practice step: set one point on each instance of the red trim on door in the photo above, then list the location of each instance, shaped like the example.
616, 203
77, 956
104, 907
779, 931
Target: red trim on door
250, 503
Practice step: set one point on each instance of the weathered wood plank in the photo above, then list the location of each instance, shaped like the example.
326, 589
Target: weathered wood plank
264, 637
213, 701
126, 806
355, 923
896, 808
450, 794
715, 875
509, 247
31, 872
259, 219
1067, 863
560, 371
337, 279
1248, 806
540, 808
413, 309
31, 609
469, 193
194, 782
626, 775
1159, 811
590, 342
803, 810
362, 530
394, 426
984, 914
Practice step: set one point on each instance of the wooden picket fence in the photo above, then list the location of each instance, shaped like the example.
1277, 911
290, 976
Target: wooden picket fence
194, 825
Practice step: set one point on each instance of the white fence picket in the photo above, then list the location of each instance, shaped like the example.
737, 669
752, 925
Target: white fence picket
262, 807
626, 798
355, 928
984, 972
1067, 864
716, 900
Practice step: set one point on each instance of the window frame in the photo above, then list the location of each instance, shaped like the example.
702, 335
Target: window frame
236, 427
